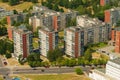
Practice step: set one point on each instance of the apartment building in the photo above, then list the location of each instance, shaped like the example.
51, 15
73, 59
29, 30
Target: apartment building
4, 13
22, 39
104, 2
74, 41
112, 16
16, 18
115, 38
94, 30
111, 72
10, 33
88, 31
51, 19
48, 40
113, 68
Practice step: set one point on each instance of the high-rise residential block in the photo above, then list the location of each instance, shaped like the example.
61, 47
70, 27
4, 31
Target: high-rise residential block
48, 40
88, 31
22, 39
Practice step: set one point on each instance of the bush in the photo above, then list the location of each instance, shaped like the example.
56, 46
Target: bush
8, 55
79, 71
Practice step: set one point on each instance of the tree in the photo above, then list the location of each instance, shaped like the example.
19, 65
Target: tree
15, 11
8, 55
81, 61
3, 31
61, 10
34, 60
34, 1
52, 55
72, 62
13, 2
88, 54
4, 0
21, 60
55, 7
118, 24
79, 71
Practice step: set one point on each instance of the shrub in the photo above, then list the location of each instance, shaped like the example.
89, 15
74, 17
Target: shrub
78, 71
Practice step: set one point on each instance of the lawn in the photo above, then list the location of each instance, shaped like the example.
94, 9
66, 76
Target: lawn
61, 33
1, 77
96, 55
35, 43
53, 77
19, 7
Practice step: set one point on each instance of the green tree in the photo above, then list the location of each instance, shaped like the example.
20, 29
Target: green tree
34, 60
15, 11
88, 54
34, 1
79, 71
53, 55
72, 62
8, 55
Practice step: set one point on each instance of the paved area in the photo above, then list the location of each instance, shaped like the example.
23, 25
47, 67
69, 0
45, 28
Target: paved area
109, 51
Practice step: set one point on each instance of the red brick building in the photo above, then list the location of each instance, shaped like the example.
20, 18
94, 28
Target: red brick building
115, 38
10, 33
117, 42
104, 2
107, 16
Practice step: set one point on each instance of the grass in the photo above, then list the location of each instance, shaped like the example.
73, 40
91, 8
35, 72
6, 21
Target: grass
35, 43
53, 77
1, 77
14, 62
61, 33
96, 55
19, 7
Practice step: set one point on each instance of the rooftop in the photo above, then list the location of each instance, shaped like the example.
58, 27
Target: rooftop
85, 21
117, 61
115, 8
22, 29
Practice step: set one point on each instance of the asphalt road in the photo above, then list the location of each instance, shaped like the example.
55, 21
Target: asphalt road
4, 71
43, 71
40, 70
47, 70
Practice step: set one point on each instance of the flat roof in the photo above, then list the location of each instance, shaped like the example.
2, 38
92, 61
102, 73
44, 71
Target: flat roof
116, 60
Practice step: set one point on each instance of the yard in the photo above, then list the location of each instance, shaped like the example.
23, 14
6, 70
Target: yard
53, 77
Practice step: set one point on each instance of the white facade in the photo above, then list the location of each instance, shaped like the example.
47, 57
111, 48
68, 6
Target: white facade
47, 41
44, 45
98, 75
22, 42
69, 43
113, 70
17, 43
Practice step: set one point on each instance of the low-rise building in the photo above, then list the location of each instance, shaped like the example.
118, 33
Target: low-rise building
111, 72
113, 68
